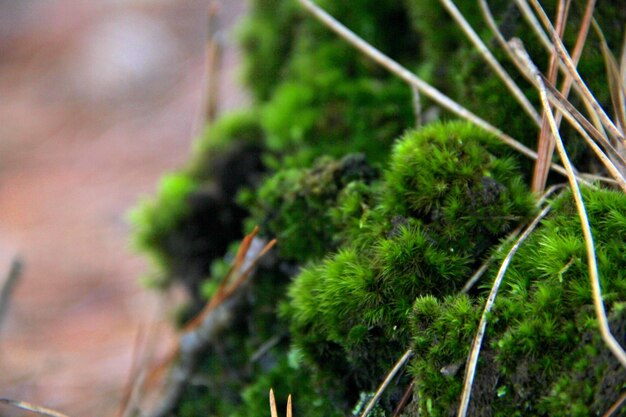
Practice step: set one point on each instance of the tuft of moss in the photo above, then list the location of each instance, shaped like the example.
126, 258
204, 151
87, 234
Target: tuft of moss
300, 206
543, 355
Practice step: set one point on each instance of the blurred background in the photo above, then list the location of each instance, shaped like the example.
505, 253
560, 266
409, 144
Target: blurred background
97, 99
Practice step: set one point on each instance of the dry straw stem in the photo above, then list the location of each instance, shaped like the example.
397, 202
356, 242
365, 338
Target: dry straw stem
273, 410
213, 61
492, 61
576, 119
545, 146
598, 302
470, 370
410, 78
23, 405
218, 313
13, 276
571, 68
383, 386
615, 407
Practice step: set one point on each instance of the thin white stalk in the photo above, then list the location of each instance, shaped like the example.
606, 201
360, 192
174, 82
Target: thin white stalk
603, 322
470, 370
534, 23
410, 78
383, 386
571, 68
492, 61
417, 106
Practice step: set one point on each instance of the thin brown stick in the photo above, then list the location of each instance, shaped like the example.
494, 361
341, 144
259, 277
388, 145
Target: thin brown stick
13, 276
598, 302
37, 409
219, 312
404, 400
383, 386
472, 361
545, 146
213, 61
615, 407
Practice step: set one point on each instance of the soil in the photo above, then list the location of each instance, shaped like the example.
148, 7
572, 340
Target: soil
98, 100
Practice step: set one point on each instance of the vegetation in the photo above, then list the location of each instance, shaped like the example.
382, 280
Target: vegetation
381, 224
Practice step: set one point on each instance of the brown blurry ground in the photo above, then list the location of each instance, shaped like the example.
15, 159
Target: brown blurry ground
97, 100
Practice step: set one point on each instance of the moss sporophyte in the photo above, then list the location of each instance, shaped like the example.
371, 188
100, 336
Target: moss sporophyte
381, 225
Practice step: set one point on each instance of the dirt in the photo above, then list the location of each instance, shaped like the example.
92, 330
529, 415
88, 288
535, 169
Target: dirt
98, 100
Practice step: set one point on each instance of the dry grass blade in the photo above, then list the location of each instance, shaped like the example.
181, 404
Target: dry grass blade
598, 302
545, 146
23, 405
289, 412
470, 369
415, 81
273, 410
615, 407
14, 274
616, 85
213, 58
392, 373
217, 314
492, 61
571, 68
404, 400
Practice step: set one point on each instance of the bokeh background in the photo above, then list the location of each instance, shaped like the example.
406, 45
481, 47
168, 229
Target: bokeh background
97, 99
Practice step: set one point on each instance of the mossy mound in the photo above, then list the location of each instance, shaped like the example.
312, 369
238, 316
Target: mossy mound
349, 312
543, 355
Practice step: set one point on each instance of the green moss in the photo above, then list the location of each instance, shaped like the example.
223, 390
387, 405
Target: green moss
349, 312
543, 355
154, 219
301, 207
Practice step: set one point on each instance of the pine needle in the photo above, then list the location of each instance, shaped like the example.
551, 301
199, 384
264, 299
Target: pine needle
383, 386
470, 370
37, 409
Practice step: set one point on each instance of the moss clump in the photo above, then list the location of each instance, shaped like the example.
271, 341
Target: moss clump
349, 312
194, 217
299, 206
542, 335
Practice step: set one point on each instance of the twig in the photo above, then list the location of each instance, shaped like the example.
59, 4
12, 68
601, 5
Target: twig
43, 411
470, 370
545, 146
14, 274
219, 312
417, 106
413, 80
213, 60
492, 61
598, 302
399, 364
404, 400
618, 404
